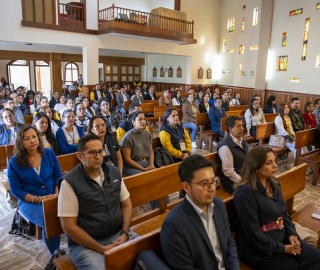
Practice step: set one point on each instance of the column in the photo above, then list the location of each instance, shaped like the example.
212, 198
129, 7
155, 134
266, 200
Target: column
92, 13
56, 78
90, 61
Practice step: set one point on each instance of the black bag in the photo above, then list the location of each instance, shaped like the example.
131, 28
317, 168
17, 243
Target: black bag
162, 157
148, 260
20, 226
57, 253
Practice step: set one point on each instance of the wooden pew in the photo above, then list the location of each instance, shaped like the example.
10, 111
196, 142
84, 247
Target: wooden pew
68, 162
159, 111
126, 104
312, 158
28, 119
265, 131
10, 149
203, 121
148, 110
155, 102
235, 113
3, 159
270, 117
156, 142
238, 108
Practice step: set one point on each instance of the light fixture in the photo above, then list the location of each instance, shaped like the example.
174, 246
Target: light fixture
29, 44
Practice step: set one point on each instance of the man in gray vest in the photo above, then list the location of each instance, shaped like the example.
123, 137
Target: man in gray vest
232, 152
94, 206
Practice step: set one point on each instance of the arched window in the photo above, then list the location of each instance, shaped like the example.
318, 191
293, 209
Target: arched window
43, 77
19, 73
71, 73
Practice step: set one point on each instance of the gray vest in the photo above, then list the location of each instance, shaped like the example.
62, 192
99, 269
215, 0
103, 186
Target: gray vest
100, 213
239, 156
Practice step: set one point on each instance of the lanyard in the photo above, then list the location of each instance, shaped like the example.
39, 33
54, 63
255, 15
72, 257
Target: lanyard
72, 138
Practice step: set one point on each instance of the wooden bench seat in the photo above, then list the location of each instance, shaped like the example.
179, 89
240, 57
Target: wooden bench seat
238, 108
68, 162
235, 113
264, 131
312, 158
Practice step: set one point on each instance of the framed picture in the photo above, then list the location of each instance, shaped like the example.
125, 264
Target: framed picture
161, 72
179, 72
154, 72
209, 73
170, 72
200, 73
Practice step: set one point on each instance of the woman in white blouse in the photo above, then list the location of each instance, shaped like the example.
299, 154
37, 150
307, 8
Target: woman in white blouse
254, 116
283, 128
236, 99
176, 98
59, 107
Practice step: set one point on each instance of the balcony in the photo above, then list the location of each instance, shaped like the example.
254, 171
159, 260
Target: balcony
173, 26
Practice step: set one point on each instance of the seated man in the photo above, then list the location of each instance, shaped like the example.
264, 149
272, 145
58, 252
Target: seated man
232, 152
94, 206
295, 115
121, 98
215, 114
225, 101
150, 95
196, 233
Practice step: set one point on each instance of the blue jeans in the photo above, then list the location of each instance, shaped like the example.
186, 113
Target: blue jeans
123, 113
85, 258
128, 170
34, 213
194, 130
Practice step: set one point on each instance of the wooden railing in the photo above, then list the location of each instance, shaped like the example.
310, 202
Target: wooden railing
130, 16
72, 15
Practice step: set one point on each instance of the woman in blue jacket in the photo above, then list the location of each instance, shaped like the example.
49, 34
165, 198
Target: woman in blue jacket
68, 135
33, 175
9, 128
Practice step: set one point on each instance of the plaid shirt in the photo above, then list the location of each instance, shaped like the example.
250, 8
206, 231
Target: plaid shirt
297, 121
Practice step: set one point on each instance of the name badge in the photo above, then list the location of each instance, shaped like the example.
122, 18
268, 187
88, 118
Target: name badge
182, 145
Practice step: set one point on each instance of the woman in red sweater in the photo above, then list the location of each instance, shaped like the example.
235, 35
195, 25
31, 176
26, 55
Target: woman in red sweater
308, 116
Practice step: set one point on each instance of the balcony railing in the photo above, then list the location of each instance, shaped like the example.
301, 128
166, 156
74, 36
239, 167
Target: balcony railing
130, 16
72, 15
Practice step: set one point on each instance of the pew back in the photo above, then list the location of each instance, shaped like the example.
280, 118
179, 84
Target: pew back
235, 113
28, 119
270, 117
68, 162
238, 108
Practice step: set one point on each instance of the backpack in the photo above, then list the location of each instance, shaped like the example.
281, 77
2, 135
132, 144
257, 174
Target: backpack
162, 157
21, 227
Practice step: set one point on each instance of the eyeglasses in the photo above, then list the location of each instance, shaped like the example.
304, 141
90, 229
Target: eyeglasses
206, 185
93, 153
81, 109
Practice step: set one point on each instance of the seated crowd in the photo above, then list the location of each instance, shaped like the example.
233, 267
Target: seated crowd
94, 204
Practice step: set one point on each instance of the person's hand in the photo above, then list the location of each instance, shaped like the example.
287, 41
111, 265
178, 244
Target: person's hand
108, 247
121, 239
185, 155
294, 247
151, 167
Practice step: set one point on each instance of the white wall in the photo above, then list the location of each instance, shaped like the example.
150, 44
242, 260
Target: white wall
141, 5
294, 26
162, 3
250, 37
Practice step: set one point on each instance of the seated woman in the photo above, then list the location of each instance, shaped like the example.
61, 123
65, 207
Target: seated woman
204, 106
9, 128
55, 99
42, 124
165, 99
112, 119
189, 113
36, 103
236, 99
174, 137
137, 98
98, 126
54, 123
176, 98
29, 99
69, 105
254, 116
265, 236
61, 105
33, 175
82, 120
308, 116
68, 135
199, 97
89, 110
271, 106
136, 147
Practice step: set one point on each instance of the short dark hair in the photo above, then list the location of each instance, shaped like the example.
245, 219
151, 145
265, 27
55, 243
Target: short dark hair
5, 100
134, 115
294, 99
191, 164
217, 98
316, 102
133, 106
101, 100
82, 142
65, 112
231, 121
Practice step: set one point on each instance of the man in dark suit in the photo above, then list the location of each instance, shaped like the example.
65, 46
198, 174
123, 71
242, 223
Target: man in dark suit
196, 233
215, 114
150, 95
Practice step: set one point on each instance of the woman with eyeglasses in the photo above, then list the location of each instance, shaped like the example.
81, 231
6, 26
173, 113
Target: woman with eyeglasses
98, 126
68, 135
136, 146
82, 120
254, 116
174, 137
9, 128
54, 122
265, 236
33, 175
42, 124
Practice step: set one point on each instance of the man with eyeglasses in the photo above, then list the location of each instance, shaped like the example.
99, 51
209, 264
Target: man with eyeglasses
94, 206
196, 233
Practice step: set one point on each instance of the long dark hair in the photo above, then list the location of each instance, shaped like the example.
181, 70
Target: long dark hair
255, 159
90, 125
19, 151
49, 135
252, 110
281, 109
166, 114
305, 109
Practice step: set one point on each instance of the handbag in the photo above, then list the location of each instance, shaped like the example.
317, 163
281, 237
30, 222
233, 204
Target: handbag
21, 227
276, 141
306, 234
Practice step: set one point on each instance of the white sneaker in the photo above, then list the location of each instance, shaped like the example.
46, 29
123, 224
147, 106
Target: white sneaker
194, 144
215, 143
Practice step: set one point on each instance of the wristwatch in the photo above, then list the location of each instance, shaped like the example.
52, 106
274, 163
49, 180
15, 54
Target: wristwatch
127, 232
